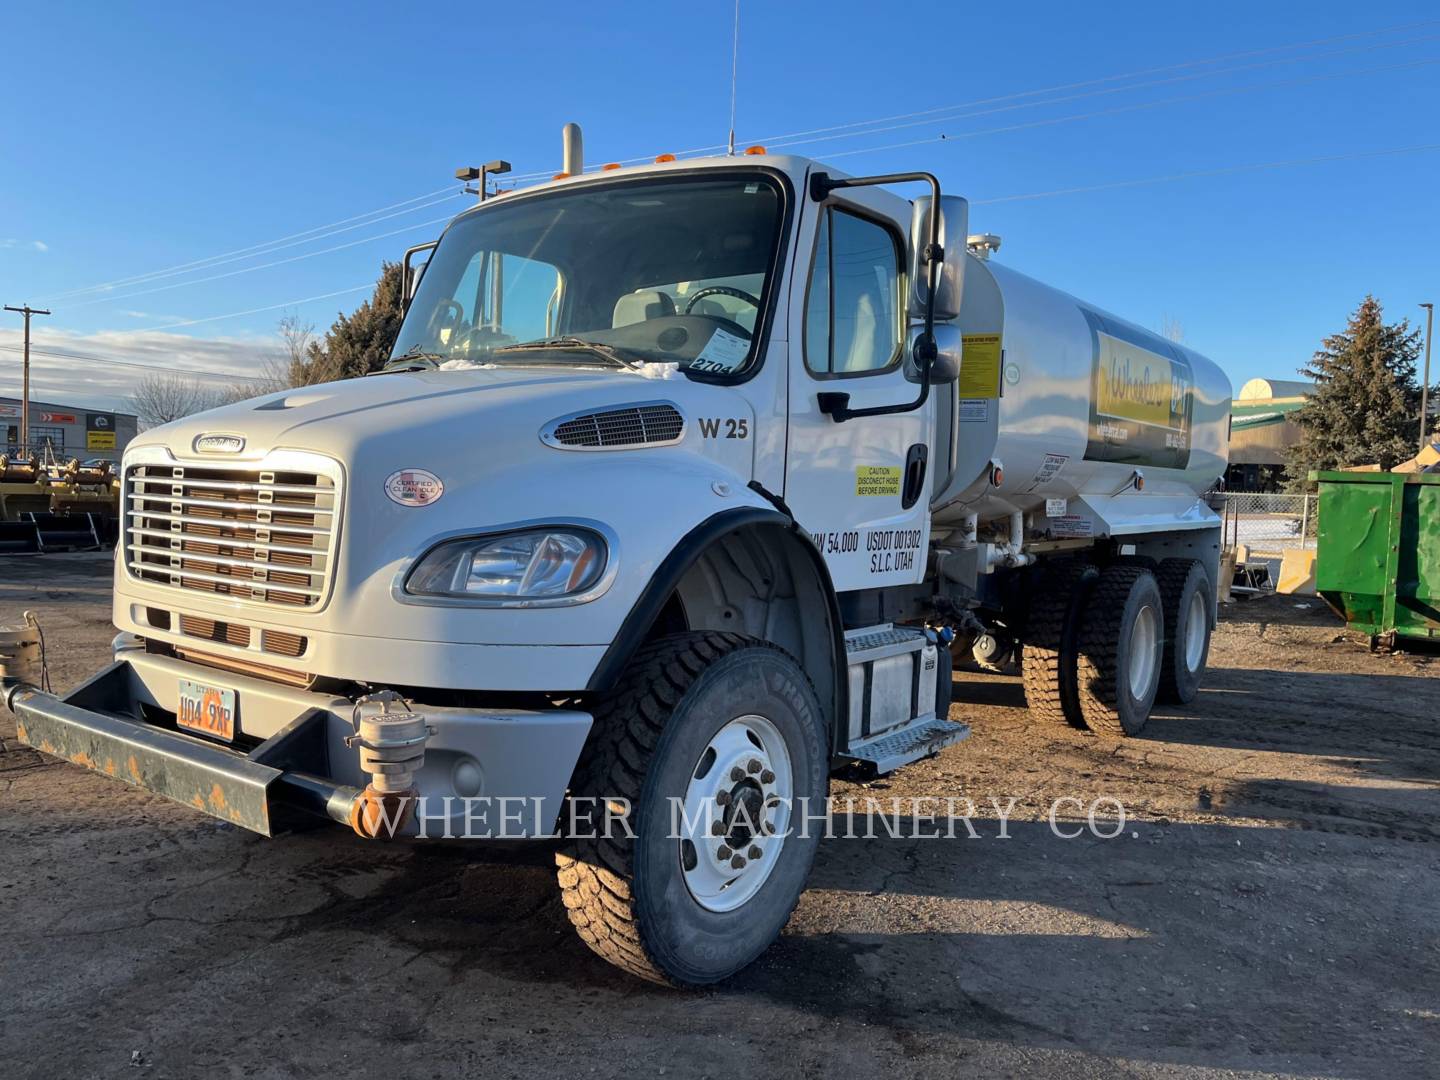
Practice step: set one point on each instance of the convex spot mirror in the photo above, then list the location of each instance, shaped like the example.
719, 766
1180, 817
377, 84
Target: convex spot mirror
954, 228
945, 368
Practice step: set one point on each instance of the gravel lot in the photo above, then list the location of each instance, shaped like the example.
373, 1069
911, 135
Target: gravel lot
1270, 906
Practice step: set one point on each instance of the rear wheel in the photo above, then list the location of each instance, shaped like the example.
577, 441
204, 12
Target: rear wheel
1188, 602
1121, 646
699, 757
1048, 659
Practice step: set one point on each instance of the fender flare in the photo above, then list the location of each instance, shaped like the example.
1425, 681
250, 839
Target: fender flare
647, 607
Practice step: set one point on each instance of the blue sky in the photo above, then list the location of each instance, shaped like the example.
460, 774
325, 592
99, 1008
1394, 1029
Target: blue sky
142, 137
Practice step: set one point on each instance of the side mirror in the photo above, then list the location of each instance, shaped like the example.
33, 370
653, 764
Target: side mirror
945, 367
954, 228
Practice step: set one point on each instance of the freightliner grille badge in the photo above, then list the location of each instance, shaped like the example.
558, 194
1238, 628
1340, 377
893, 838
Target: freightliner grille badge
219, 444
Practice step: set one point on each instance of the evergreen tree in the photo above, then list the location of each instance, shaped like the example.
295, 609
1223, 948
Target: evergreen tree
360, 342
1366, 404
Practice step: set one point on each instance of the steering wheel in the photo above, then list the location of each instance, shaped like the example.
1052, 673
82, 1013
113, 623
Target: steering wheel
721, 290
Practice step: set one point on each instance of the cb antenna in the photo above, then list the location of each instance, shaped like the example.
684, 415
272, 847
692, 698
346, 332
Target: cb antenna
734, 69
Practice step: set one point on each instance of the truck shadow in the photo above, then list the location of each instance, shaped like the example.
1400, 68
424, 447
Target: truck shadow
1180, 944
1383, 727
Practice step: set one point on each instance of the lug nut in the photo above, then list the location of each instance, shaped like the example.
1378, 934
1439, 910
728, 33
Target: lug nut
738, 862
754, 766
767, 828
737, 774
754, 852
717, 829
723, 854
723, 798
767, 777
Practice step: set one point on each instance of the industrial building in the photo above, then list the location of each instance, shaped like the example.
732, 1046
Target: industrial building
1262, 429
69, 431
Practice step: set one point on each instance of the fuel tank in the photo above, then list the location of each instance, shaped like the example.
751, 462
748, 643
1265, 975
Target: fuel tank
1060, 400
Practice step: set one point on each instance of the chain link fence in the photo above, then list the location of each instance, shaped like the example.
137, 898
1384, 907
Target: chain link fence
1269, 524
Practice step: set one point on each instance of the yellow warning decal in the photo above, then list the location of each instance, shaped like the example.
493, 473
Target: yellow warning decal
877, 480
980, 366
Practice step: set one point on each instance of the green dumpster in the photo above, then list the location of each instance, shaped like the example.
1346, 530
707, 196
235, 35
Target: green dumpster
1377, 561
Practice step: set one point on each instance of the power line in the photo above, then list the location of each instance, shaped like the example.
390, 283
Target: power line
279, 247
773, 141
1106, 79
258, 310
1100, 93
1219, 171
263, 266
944, 137
255, 248
167, 369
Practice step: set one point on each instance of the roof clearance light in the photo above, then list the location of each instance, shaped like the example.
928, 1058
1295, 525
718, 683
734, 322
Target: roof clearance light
660, 159
610, 166
560, 176
754, 151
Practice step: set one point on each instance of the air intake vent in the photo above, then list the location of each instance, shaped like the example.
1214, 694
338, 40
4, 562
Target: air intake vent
652, 423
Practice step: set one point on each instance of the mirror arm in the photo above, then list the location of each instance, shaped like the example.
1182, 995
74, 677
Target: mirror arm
837, 405
406, 293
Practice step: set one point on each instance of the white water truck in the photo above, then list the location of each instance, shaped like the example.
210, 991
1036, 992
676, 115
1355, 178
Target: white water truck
679, 484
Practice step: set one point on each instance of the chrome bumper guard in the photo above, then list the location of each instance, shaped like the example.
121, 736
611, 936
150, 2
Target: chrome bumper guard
90, 727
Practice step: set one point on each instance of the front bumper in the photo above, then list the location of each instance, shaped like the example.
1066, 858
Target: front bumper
481, 764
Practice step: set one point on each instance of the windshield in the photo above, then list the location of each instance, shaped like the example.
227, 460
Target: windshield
667, 271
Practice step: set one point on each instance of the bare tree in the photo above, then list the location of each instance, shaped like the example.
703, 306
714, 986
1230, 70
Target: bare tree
297, 349
163, 397
1170, 327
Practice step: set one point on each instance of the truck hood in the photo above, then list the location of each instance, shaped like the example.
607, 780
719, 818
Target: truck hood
475, 408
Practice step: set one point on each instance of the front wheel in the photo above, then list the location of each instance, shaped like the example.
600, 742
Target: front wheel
708, 766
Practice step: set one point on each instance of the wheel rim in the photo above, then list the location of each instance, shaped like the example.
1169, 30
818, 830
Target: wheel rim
1196, 623
736, 813
1144, 636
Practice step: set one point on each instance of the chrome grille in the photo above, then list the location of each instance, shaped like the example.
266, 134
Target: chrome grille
255, 534
650, 424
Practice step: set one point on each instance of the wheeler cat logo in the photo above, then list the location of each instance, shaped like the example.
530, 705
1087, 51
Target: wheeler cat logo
215, 443
1141, 395
413, 487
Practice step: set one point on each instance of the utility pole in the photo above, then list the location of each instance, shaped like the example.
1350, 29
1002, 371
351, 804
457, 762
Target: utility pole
27, 311
1425, 386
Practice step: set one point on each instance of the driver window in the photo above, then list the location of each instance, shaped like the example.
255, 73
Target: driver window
852, 311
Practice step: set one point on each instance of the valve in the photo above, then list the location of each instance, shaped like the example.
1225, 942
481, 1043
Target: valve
392, 750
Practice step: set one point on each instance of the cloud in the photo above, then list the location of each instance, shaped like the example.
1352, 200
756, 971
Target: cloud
33, 245
78, 380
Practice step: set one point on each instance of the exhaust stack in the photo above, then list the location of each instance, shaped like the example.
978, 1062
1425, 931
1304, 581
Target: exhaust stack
573, 144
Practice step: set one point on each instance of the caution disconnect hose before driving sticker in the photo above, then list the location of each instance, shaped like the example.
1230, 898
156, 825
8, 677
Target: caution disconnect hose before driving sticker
877, 480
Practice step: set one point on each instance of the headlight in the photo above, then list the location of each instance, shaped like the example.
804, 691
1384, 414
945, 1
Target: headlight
533, 564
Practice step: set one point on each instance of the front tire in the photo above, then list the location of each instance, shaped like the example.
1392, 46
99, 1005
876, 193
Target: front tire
1122, 640
706, 735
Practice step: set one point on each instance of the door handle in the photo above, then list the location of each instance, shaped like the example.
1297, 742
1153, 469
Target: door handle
915, 460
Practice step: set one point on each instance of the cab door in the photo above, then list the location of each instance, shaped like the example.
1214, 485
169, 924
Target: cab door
858, 487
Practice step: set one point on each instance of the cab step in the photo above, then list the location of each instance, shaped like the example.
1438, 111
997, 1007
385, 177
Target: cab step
922, 737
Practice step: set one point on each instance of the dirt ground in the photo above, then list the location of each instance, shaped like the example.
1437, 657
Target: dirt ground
1270, 906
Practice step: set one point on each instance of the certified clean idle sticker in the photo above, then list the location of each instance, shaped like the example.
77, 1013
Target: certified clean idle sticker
413, 487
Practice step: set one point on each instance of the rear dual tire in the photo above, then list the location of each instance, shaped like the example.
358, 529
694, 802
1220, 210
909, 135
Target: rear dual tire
1121, 649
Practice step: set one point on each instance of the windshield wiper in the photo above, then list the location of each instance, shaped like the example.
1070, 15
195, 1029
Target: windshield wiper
572, 344
414, 360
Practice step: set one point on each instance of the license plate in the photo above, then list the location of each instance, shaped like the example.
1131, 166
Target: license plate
206, 709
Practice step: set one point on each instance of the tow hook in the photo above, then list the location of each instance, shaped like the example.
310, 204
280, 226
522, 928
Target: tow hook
392, 750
